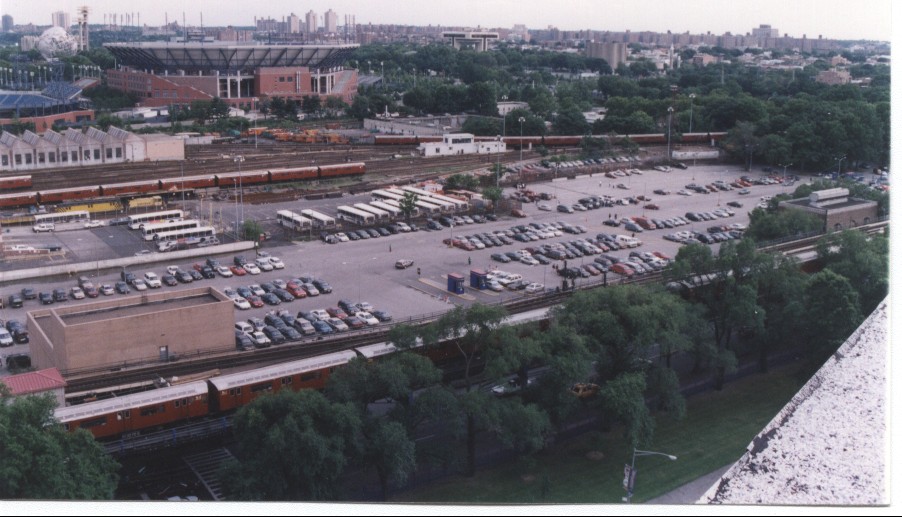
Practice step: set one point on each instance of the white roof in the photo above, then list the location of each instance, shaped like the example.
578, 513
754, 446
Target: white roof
828, 445
133, 401
277, 371
379, 349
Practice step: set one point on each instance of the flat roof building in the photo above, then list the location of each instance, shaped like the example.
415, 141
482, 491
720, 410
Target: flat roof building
837, 210
153, 327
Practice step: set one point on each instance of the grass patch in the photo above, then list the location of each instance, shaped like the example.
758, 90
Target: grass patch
715, 433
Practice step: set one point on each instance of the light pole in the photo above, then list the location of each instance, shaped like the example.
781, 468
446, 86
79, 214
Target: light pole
669, 125
500, 139
235, 188
691, 102
382, 74
521, 120
238, 159
629, 471
784, 170
839, 165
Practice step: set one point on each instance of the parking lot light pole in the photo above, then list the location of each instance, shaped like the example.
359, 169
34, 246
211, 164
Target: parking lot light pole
629, 479
669, 125
521, 120
784, 170
691, 101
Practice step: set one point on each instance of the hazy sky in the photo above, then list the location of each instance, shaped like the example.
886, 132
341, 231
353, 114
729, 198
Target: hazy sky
835, 19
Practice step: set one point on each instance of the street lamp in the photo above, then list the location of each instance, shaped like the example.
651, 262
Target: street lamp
784, 170
669, 121
629, 471
839, 165
521, 120
238, 159
691, 101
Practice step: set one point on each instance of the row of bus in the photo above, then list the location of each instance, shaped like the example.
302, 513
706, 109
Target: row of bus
169, 229
176, 184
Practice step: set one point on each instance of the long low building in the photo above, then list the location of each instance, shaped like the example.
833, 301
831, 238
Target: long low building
155, 326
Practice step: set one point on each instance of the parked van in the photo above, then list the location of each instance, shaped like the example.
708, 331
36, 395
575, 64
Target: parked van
627, 241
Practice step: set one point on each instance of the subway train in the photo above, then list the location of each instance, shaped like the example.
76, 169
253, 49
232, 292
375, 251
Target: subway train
222, 180
153, 409
561, 141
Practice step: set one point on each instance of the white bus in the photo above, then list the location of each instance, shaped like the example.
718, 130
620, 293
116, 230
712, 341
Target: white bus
381, 215
150, 230
397, 206
137, 221
382, 195
392, 210
356, 216
319, 220
200, 236
422, 195
292, 220
75, 216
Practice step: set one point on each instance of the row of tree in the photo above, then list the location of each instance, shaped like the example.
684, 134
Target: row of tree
298, 446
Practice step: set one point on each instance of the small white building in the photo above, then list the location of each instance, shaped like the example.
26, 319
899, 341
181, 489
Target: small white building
461, 143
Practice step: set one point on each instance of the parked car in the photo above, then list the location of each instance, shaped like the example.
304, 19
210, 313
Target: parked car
152, 280
122, 288
403, 263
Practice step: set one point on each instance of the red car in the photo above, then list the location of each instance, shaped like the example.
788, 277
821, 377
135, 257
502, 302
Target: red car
198, 266
335, 312
296, 290
238, 270
621, 269
652, 206
255, 301
660, 255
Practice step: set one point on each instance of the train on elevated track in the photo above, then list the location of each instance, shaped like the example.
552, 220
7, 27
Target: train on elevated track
562, 141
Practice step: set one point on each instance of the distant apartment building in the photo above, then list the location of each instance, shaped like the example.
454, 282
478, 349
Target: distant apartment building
7, 23
330, 21
765, 31
27, 43
311, 26
61, 19
294, 23
834, 77
703, 59
613, 53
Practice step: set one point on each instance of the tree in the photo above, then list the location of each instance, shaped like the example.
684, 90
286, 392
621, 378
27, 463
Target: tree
408, 204
570, 121
251, 230
219, 110
461, 181
43, 461
493, 194
311, 104
291, 446
862, 260
831, 313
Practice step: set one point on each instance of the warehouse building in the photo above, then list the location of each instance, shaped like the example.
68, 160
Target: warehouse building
157, 326
837, 210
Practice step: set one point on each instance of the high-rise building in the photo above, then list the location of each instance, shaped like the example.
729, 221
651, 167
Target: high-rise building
294, 23
613, 53
7, 23
331, 21
765, 31
61, 19
311, 22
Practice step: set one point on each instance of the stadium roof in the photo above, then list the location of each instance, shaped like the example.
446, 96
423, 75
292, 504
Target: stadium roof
227, 56
16, 101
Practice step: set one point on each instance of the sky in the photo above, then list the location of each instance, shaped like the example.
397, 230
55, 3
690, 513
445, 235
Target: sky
833, 19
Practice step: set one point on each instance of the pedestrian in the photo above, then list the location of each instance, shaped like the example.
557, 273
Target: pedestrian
389, 248
469, 261
418, 271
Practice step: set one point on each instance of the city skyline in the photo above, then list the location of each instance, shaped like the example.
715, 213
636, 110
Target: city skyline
831, 19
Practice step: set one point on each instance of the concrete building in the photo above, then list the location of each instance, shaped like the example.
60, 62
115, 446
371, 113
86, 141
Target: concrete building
294, 23
476, 40
164, 74
506, 107
613, 53
311, 26
73, 148
835, 208
765, 31
834, 77
7, 23
157, 326
330, 21
61, 19
460, 143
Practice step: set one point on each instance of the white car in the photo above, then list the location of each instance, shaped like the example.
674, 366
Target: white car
172, 270
545, 207
321, 314
93, 224
342, 237
276, 262
107, 290
153, 281
260, 339
368, 318
77, 293
337, 324
684, 192
256, 289
241, 303
43, 227
494, 286
263, 264
224, 271
5, 338
251, 268
139, 285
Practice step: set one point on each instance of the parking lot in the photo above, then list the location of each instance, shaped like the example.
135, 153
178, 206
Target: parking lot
364, 270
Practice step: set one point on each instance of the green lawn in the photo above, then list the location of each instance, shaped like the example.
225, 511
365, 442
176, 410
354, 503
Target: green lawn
715, 433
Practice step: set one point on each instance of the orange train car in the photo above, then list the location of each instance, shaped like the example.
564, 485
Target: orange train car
68, 194
15, 182
232, 391
188, 182
293, 174
138, 411
244, 178
342, 169
132, 187
20, 199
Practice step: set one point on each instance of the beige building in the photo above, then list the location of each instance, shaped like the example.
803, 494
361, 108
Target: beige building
834, 77
835, 208
613, 53
153, 327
